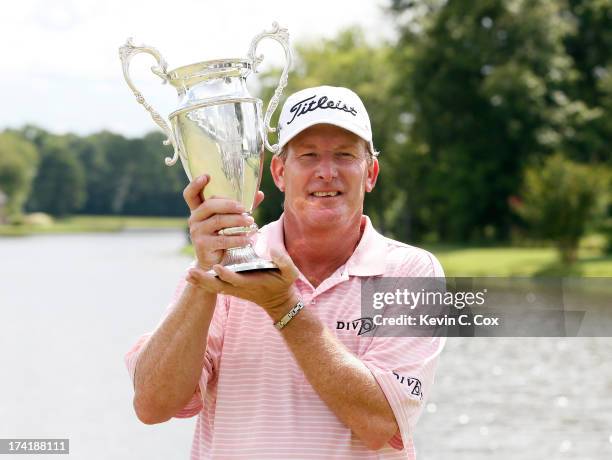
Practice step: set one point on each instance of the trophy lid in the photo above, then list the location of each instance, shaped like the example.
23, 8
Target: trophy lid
186, 76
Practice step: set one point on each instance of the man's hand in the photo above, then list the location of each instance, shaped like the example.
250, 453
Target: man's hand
211, 215
273, 290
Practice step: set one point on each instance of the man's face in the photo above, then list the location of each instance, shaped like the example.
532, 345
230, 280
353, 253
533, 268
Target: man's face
325, 175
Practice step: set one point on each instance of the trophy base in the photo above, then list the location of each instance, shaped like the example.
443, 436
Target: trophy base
243, 260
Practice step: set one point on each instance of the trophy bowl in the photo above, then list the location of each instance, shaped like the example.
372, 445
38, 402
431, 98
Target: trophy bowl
218, 128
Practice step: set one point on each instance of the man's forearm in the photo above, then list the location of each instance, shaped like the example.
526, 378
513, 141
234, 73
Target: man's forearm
170, 364
342, 381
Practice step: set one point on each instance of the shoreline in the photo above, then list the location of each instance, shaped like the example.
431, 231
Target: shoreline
93, 224
470, 261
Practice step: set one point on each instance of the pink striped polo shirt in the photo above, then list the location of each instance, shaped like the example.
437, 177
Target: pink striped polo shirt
253, 400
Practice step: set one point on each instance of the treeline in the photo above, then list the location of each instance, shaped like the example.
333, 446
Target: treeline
104, 173
479, 109
474, 103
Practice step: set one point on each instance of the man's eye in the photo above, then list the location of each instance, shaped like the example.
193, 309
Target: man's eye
308, 155
346, 155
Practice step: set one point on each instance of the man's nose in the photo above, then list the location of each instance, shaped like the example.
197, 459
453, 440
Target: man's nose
326, 169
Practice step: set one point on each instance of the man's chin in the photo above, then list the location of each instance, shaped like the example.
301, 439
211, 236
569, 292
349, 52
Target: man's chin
325, 217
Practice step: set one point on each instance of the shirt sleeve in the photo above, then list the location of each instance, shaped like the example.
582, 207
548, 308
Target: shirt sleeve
211, 356
404, 367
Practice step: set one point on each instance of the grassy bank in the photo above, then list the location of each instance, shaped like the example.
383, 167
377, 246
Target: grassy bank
92, 224
513, 261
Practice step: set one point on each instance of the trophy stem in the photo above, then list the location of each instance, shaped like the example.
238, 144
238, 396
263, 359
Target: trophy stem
244, 259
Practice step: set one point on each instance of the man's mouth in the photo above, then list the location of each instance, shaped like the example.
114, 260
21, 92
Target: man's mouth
326, 194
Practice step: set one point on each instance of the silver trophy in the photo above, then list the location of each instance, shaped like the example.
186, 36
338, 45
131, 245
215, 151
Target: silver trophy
218, 128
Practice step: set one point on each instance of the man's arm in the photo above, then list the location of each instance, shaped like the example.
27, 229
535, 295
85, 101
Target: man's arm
340, 379
170, 363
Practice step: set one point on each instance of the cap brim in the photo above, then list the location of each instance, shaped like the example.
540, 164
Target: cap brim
348, 126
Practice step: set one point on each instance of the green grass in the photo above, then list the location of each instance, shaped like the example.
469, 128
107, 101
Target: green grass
519, 261
94, 224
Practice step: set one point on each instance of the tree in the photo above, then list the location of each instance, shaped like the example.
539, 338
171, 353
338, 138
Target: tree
589, 126
18, 161
128, 176
559, 199
486, 87
59, 186
155, 189
104, 160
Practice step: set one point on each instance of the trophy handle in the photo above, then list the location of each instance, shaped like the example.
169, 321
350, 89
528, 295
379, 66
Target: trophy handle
126, 53
281, 35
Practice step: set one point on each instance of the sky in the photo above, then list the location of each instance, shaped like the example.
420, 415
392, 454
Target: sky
59, 64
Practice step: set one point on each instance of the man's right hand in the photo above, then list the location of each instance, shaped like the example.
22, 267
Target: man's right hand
211, 215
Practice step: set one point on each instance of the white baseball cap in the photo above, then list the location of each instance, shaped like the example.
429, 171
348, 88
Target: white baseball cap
324, 104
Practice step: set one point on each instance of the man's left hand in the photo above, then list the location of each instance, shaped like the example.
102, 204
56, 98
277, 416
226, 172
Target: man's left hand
273, 290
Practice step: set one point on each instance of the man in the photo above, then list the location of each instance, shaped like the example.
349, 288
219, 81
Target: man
261, 357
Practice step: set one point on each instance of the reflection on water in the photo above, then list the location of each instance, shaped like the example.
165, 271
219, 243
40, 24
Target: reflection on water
520, 398
72, 305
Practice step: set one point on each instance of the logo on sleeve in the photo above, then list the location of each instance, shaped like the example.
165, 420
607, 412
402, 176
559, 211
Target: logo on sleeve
414, 385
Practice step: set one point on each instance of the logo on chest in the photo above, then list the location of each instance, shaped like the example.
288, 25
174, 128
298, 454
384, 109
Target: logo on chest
361, 325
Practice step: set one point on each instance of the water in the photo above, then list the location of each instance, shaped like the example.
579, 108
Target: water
73, 305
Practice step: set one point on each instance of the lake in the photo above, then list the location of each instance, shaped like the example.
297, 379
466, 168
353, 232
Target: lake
72, 305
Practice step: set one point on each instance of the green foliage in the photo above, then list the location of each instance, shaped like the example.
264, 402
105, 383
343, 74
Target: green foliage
560, 199
466, 96
480, 84
464, 101
156, 188
103, 173
128, 176
59, 186
587, 125
110, 167
18, 161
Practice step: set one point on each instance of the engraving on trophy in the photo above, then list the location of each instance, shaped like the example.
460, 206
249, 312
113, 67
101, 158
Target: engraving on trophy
231, 148
224, 142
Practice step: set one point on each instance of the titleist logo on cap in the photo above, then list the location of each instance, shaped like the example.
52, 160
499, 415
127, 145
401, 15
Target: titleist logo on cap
310, 104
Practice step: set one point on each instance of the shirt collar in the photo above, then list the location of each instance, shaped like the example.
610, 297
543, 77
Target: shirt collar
368, 259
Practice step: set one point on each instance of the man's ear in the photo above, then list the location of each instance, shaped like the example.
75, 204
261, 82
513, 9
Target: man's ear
277, 168
372, 175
